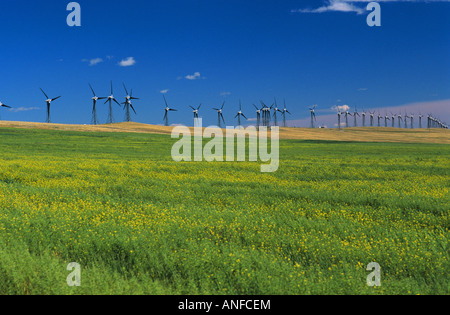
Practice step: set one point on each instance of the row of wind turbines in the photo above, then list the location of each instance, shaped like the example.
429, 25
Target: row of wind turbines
265, 115
402, 120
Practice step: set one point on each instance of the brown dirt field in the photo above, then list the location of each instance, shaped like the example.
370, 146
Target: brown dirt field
367, 134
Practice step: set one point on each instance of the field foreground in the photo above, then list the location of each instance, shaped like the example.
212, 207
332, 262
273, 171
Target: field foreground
139, 223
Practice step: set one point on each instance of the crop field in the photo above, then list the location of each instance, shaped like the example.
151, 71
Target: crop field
139, 223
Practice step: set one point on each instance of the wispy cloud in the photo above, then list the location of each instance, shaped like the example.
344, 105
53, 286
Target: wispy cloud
23, 109
350, 6
127, 62
93, 62
164, 91
194, 76
332, 5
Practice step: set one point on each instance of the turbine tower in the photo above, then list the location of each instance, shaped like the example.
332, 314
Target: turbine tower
355, 121
347, 113
258, 116
339, 113
313, 115
284, 114
420, 121
167, 110
49, 101
276, 109
220, 118
110, 99
386, 118
399, 120
411, 116
94, 109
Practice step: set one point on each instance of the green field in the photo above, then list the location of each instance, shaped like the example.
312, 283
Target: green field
139, 223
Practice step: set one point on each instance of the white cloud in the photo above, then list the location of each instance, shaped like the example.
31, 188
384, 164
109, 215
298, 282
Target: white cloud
194, 76
164, 91
128, 62
342, 108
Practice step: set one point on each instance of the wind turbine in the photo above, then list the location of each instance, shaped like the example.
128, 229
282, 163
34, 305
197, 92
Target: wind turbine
276, 109
4, 105
355, 122
406, 120
379, 119
339, 113
220, 115
258, 115
364, 118
313, 115
127, 104
129, 96
371, 118
195, 111
266, 114
412, 121
166, 115
386, 118
284, 114
393, 119
399, 120
347, 113
94, 109
420, 121
49, 101
239, 114
110, 99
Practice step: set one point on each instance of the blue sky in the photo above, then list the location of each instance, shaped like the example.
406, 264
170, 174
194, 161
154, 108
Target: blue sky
307, 52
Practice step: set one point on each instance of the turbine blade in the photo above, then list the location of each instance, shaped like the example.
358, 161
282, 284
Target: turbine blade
92, 89
133, 109
125, 88
45, 94
55, 98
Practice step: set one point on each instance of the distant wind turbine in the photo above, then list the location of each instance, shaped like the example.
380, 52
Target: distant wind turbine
94, 109
110, 99
167, 110
239, 114
220, 118
49, 101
